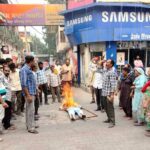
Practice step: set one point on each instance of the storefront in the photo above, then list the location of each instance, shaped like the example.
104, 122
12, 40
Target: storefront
123, 28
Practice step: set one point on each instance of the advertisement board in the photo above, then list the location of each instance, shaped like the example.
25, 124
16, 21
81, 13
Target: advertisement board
129, 1
78, 3
28, 15
103, 24
52, 16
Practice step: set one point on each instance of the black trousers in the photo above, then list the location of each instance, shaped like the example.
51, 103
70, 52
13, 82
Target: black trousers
36, 104
99, 101
22, 103
44, 89
7, 117
109, 108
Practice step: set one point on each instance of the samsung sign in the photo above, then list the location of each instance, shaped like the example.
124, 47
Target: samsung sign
80, 20
108, 25
125, 16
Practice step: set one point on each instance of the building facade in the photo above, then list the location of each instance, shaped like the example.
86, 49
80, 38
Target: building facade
119, 31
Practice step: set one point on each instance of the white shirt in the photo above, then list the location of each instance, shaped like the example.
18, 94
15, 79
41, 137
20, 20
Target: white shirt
98, 80
15, 81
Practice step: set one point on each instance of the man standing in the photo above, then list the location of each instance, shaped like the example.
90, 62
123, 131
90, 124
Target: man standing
8, 111
108, 90
29, 88
58, 66
54, 82
67, 73
16, 86
42, 82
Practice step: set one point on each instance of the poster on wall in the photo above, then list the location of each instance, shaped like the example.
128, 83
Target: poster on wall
121, 58
78, 3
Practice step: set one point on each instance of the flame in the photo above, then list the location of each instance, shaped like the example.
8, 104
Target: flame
68, 100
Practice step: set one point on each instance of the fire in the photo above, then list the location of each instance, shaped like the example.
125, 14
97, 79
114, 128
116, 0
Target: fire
68, 100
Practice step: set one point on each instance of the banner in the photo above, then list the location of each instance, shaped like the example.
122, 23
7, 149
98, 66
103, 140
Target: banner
78, 3
129, 1
28, 15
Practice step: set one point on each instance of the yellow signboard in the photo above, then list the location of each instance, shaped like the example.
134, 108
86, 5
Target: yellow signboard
52, 16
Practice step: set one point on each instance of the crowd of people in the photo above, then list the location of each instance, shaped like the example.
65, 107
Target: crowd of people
132, 86
22, 87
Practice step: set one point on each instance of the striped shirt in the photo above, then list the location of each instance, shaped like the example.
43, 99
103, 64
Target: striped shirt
41, 77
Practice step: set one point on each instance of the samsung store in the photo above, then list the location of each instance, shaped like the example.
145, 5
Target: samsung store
122, 31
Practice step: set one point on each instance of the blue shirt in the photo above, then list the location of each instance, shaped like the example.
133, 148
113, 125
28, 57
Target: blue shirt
28, 79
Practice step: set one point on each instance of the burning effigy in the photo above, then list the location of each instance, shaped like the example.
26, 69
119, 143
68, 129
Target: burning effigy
69, 105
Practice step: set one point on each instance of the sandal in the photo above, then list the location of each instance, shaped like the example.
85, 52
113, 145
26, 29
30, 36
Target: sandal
33, 131
11, 128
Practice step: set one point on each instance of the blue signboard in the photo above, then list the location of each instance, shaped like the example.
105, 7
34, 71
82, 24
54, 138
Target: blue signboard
108, 23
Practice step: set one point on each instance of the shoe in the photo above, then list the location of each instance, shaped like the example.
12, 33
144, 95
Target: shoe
33, 131
11, 128
37, 126
72, 119
107, 121
111, 125
83, 117
92, 102
98, 109
138, 124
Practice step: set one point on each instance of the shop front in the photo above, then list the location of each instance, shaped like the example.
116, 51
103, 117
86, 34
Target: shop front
124, 30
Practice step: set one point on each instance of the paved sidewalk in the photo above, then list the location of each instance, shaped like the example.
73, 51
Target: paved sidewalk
57, 132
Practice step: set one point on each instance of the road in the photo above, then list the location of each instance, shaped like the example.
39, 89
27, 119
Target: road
57, 132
